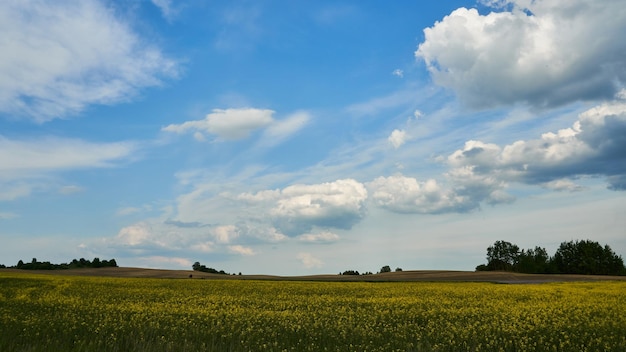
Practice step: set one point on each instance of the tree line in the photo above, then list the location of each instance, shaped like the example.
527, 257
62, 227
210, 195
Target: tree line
574, 257
384, 269
74, 264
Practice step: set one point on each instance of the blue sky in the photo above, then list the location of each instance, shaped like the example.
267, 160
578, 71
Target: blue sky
309, 137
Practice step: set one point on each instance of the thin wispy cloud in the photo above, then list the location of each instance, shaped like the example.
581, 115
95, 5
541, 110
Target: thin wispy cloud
61, 57
240, 123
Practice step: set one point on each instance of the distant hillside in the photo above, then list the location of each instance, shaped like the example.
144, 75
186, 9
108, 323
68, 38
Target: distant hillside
407, 275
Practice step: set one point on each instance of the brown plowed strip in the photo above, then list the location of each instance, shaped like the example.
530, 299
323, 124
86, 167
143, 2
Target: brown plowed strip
409, 275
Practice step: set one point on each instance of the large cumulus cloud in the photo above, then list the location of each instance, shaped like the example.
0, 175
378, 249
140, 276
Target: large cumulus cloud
465, 191
403, 194
594, 146
480, 172
544, 53
297, 209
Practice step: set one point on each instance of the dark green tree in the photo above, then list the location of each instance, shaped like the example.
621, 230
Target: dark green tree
482, 267
199, 267
502, 255
588, 258
350, 272
74, 264
385, 269
533, 261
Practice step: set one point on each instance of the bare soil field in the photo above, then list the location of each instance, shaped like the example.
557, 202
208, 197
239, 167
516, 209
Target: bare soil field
408, 275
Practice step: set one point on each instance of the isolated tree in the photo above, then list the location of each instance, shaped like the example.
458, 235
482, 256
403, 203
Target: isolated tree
385, 269
398, 269
199, 267
502, 256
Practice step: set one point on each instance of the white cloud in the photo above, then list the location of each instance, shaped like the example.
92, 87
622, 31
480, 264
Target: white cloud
593, 146
272, 215
338, 204
551, 54
562, 185
258, 197
475, 186
155, 236
61, 56
282, 129
397, 138
166, 8
398, 73
266, 233
321, 237
203, 247
26, 165
235, 124
161, 261
134, 235
475, 153
241, 250
309, 261
228, 124
406, 195
225, 234
199, 137
49, 154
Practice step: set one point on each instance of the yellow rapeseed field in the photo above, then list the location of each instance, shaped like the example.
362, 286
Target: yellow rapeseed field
62, 313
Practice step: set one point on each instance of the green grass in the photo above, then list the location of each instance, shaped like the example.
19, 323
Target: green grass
63, 313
